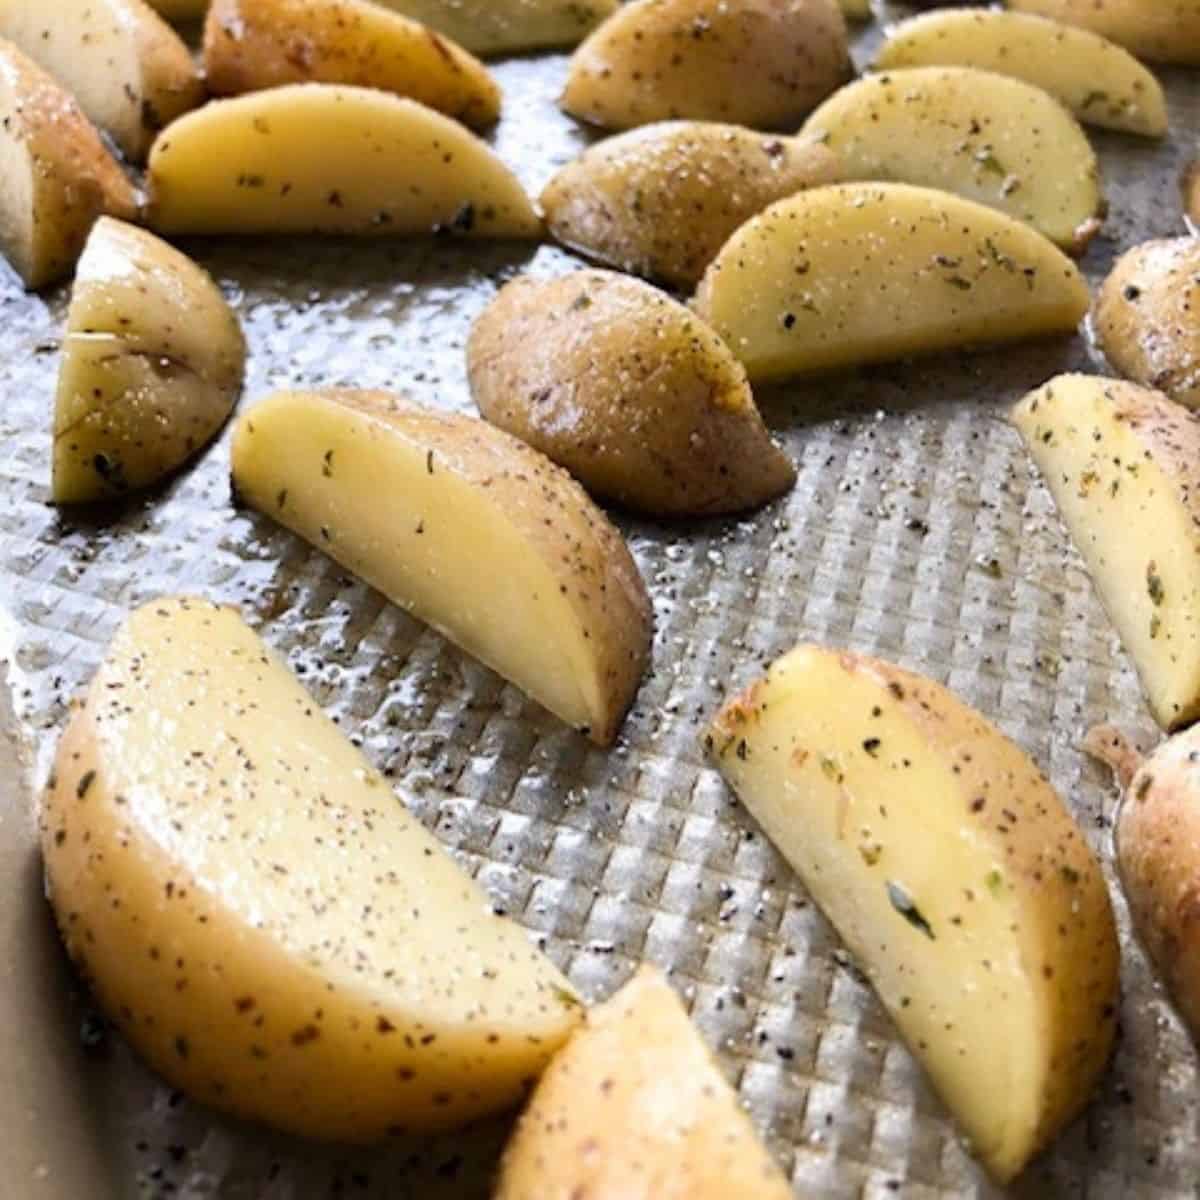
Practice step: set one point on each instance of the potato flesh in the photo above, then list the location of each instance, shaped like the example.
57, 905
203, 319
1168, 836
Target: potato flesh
1119, 462
954, 874
857, 273
1158, 30
326, 158
986, 137
1099, 81
261, 917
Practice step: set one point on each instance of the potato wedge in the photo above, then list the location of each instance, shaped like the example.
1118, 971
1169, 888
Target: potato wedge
855, 10
983, 136
152, 365
858, 273
254, 44
260, 917
1099, 81
625, 388
1146, 317
762, 63
56, 177
660, 201
635, 1108
1158, 30
1123, 465
425, 505
1190, 187
954, 874
327, 158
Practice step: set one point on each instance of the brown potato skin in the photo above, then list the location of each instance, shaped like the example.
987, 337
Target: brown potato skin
662, 200
762, 63
1147, 317
629, 391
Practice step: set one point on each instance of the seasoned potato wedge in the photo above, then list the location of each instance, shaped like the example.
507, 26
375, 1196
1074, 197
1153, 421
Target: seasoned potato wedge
635, 1108
255, 44
261, 918
1147, 317
326, 158
56, 177
858, 273
762, 63
662, 200
954, 874
629, 391
984, 136
1123, 465
1099, 81
152, 365
1190, 187
426, 505
128, 70
1158, 30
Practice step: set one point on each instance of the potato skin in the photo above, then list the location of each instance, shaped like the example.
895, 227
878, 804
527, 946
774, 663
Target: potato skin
629, 391
762, 63
1159, 30
660, 201
1147, 317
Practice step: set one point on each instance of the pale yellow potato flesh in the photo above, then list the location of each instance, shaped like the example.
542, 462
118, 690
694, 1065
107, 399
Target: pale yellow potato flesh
954, 874
1158, 30
1123, 465
1099, 81
866, 272
254, 44
56, 177
261, 916
762, 63
662, 200
986, 137
329, 158
152, 365
635, 1108
425, 505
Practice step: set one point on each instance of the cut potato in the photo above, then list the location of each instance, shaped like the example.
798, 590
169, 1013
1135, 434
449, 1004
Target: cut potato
629, 391
762, 63
1190, 187
662, 200
151, 369
56, 177
254, 44
261, 917
1158, 30
858, 273
954, 874
984, 136
1099, 81
1147, 317
326, 158
635, 1108
426, 505
1123, 465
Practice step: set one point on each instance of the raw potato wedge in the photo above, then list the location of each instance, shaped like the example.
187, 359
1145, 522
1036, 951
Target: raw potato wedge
327, 158
1123, 465
261, 917
1099, 81
1158, 30
954, 874
635, 1108
254, 44
626, 389
425, 505
983, 136
56, 177
858, 273
152, 365
660, 201
1147, 317
762, 63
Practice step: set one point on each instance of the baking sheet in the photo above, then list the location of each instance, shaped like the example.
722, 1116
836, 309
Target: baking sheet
916, 531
